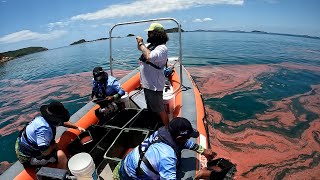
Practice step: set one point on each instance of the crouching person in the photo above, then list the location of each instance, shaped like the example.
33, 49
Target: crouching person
158, 156
36, 144
105, 87
107, 92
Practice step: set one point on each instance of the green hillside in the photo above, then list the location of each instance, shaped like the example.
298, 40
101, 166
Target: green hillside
6, 56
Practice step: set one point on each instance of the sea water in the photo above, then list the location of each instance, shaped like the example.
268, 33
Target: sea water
261, 92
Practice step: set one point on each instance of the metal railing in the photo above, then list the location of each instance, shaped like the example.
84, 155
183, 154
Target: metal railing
144, 21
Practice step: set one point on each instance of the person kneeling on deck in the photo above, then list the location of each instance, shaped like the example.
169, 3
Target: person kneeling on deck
105, 89
158, 156
36, 143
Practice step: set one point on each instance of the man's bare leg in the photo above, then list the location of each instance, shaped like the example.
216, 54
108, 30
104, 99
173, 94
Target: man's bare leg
164, 117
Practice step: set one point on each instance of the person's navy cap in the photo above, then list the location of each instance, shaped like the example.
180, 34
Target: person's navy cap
180, 126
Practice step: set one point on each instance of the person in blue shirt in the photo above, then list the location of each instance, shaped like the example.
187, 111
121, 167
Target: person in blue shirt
105, 87
36, 143
158, 156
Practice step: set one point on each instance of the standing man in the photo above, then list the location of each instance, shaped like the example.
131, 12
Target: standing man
158, 156
154, 58
36, 143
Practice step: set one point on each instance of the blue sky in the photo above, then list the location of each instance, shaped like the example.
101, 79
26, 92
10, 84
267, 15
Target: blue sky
58, 23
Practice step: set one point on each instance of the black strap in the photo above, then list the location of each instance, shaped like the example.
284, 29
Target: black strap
153, 65
139, 171
26, 138
23, 133
149, 166
156, 139
143, 59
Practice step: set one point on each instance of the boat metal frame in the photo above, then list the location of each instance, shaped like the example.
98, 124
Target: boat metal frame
145, 21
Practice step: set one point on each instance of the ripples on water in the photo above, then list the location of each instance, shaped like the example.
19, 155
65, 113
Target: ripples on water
261, 94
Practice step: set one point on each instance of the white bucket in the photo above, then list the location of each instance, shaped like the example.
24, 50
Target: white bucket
125, 100
82, 166
169, 101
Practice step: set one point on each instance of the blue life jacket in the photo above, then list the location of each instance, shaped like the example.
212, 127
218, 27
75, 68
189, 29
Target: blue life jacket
163, 136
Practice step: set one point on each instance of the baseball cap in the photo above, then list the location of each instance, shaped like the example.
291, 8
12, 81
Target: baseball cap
99, 74
155, 26
180, 126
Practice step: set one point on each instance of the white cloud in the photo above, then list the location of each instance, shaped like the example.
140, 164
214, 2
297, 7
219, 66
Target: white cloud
59, 24
197, 20
29, 35
147, 7
3, 1
201, 20
207, 19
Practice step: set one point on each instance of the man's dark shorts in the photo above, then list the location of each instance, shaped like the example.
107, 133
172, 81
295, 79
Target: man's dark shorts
154, 100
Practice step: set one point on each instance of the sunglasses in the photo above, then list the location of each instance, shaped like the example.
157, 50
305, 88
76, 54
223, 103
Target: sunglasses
99, 73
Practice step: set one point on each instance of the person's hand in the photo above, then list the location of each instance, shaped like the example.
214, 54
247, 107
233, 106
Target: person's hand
203, 174
58, 147
139, 39
109, 98
209, 154
81, 129
55, 146
139, 42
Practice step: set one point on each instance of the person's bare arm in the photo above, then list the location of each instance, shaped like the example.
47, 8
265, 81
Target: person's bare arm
51, 148
71, 125
142, 47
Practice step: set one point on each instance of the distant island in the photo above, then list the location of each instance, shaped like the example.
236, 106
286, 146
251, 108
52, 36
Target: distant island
9, 55
173, 30
256, 32
78, 42
84, 41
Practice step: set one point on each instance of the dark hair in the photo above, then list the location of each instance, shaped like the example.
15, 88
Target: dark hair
160, 37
